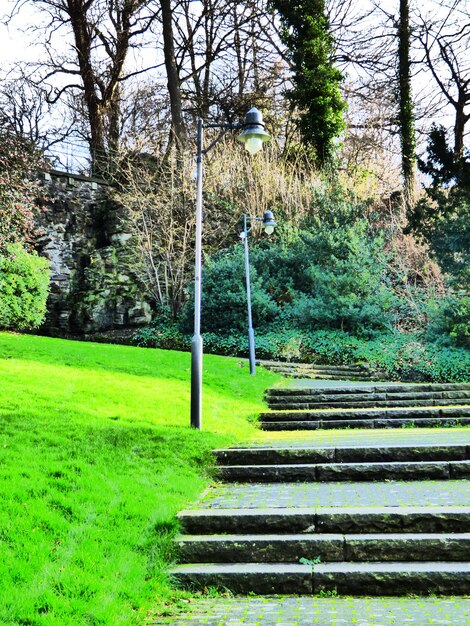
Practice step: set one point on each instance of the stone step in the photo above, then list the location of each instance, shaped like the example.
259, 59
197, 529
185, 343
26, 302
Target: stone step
332, 454
364, 418
291, 548
323, 372
355, 414
318, 366
327, 377
430, 399
382, 578
366, 423
328, 472
391, 388
379, 423
259, 578
392, 578
346, 520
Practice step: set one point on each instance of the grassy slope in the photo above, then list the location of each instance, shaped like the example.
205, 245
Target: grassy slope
96, 457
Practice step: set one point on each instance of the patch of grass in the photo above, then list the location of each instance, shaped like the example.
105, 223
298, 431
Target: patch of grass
96, 458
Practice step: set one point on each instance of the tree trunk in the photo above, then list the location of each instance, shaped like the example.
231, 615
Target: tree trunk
174, 87
406, 114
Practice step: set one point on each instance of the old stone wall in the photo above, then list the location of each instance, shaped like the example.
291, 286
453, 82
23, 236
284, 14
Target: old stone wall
97, 276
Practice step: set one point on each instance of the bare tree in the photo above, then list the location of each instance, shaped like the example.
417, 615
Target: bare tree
445, 38
26, 113
103, 32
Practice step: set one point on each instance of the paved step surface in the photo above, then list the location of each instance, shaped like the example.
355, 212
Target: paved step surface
330, 611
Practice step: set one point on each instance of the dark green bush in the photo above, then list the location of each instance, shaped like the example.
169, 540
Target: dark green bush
163, 333
24, 286
224, 296
331, 277
449, 323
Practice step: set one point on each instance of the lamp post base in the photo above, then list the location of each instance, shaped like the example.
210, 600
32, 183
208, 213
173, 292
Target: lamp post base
196, 382
251, 345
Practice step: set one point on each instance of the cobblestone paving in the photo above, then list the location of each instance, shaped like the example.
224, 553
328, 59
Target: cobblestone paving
355, 438
367, 494
305, 611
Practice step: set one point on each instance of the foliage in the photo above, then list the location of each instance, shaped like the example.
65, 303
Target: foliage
398, 356
98, 457
24, 287
329, 276
450, 321
18, 161
315, 92
163, 333
442, 218
224, 295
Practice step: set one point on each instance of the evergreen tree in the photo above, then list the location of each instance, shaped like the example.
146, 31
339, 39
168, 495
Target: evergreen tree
315, 93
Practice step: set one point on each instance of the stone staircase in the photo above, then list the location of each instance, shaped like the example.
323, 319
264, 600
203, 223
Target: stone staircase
321, 372
367, 406
360, 513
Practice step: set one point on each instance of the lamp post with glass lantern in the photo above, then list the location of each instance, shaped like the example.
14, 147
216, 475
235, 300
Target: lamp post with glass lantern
268, 225
253, 136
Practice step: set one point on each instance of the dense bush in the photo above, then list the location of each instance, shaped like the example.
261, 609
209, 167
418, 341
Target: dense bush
224, 296
24, 285
450, 321
333, 276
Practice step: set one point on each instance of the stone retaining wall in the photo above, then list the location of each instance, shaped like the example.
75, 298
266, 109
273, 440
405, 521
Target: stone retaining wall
97, 281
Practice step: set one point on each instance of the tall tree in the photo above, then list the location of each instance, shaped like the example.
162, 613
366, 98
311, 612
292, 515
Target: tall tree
102, 34
173, 77
316, 81
406, 109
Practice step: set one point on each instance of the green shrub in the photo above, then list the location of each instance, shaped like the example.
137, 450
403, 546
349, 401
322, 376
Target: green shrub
163, 333
398, 356
24, 286
224, 296
333, 276
450, 321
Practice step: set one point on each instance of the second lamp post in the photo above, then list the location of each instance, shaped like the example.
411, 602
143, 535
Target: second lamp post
268, 225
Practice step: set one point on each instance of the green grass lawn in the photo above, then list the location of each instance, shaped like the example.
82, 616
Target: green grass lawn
96, 458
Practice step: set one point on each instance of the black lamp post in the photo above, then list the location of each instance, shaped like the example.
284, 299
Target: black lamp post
253, 136
268, 225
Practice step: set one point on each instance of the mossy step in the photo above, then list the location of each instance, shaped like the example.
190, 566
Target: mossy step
328, 377
366, 389
317, 366
368, 413
320, 548
426, 519
331, 424
333, 472
343, 454
391, 578
259, 578
303, 405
